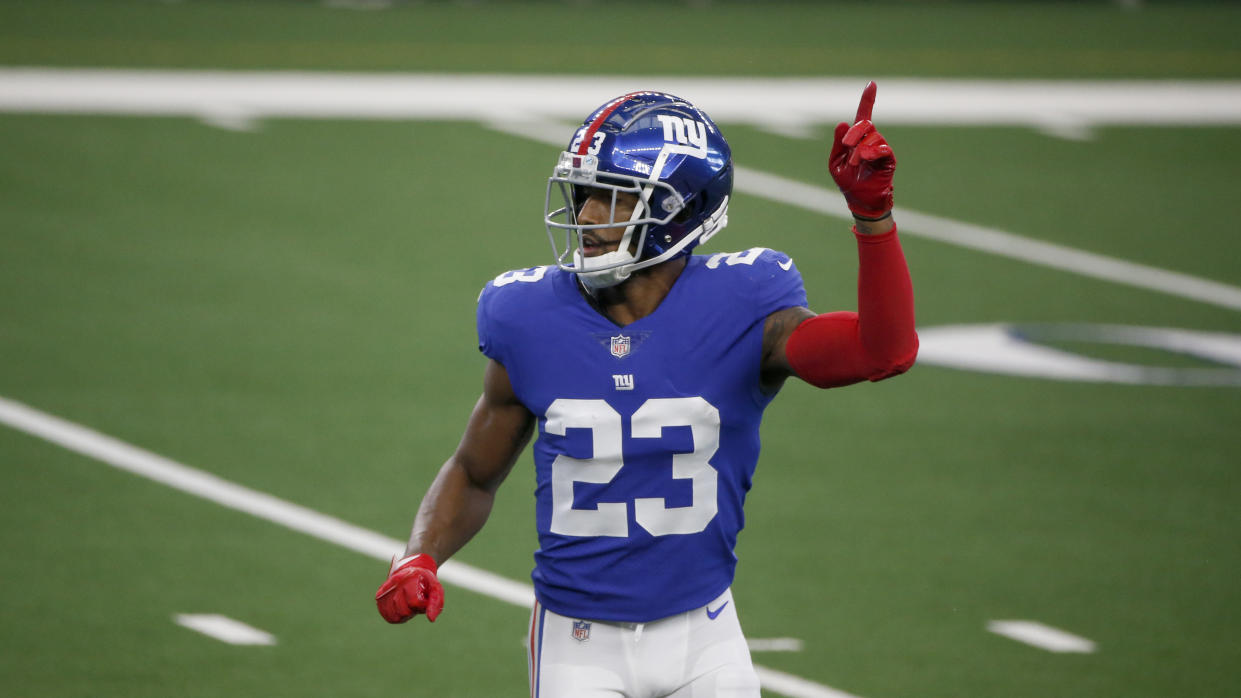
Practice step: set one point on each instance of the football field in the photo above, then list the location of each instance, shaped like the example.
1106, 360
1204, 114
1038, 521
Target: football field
241, 243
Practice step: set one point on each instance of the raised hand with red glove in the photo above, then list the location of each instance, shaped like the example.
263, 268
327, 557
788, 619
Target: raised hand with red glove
411, 588
862, 163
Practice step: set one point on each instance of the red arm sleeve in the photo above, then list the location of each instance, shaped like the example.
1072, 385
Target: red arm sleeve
874, 343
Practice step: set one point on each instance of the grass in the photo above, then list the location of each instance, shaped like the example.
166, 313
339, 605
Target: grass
988, 39
292, 309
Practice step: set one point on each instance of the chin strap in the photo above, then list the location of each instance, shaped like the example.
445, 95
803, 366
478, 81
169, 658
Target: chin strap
603, 278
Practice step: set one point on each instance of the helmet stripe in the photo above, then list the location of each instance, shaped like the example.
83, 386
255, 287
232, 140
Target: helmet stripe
602, 117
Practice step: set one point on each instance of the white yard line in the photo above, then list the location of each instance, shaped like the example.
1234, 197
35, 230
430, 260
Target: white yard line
776, 103
790, 685
1041, 636
775, 644
224, 629
199, 483
533, 105
998, 242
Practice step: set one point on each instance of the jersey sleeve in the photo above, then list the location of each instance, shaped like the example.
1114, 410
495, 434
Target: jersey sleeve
756, 282
507, 303
776, 283
488, 342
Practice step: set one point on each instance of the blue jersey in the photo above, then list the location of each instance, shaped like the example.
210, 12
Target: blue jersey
648, 434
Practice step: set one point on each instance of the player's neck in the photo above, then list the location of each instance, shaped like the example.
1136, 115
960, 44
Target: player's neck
639, 295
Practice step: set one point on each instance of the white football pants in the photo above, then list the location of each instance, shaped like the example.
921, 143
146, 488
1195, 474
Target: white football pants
697, 654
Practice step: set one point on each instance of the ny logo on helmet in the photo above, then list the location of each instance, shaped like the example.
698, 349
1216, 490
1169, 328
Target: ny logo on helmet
688, 135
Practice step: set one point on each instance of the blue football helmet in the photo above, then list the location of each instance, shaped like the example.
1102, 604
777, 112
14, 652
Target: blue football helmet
659, 148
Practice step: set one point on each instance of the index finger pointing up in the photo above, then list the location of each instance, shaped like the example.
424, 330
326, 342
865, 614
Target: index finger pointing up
868, 102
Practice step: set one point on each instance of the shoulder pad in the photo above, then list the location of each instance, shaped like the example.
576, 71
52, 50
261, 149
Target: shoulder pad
755, 257
528, 275
521, 277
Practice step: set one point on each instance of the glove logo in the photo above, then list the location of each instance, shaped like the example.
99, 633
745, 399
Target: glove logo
581, 630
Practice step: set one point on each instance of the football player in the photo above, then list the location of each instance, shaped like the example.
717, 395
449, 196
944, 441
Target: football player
644, 371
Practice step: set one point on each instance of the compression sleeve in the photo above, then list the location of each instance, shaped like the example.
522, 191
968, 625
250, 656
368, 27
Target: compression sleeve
879, 340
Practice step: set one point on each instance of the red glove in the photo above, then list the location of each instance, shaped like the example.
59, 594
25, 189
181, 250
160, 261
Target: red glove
411, 588
862, 162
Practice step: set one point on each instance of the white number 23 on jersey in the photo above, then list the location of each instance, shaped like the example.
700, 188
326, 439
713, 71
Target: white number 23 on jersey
605, 423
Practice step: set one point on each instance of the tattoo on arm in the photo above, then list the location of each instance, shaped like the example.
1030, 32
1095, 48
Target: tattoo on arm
779, 325
772, 332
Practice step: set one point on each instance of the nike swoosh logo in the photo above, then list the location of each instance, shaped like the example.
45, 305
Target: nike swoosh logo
717, 612
786, 265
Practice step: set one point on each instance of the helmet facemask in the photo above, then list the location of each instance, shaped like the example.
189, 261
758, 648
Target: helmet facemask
574, 178
661, 151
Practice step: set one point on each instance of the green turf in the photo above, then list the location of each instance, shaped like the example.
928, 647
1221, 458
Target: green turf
1004, 39
292, 309
298, 335
92, 603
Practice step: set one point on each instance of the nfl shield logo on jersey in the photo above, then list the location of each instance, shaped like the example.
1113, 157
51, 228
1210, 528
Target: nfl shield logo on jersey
581, 630
620, 346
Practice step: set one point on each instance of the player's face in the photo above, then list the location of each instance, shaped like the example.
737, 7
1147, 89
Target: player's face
597, 209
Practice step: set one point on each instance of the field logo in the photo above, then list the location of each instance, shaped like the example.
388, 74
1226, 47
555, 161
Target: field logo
1039, 351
